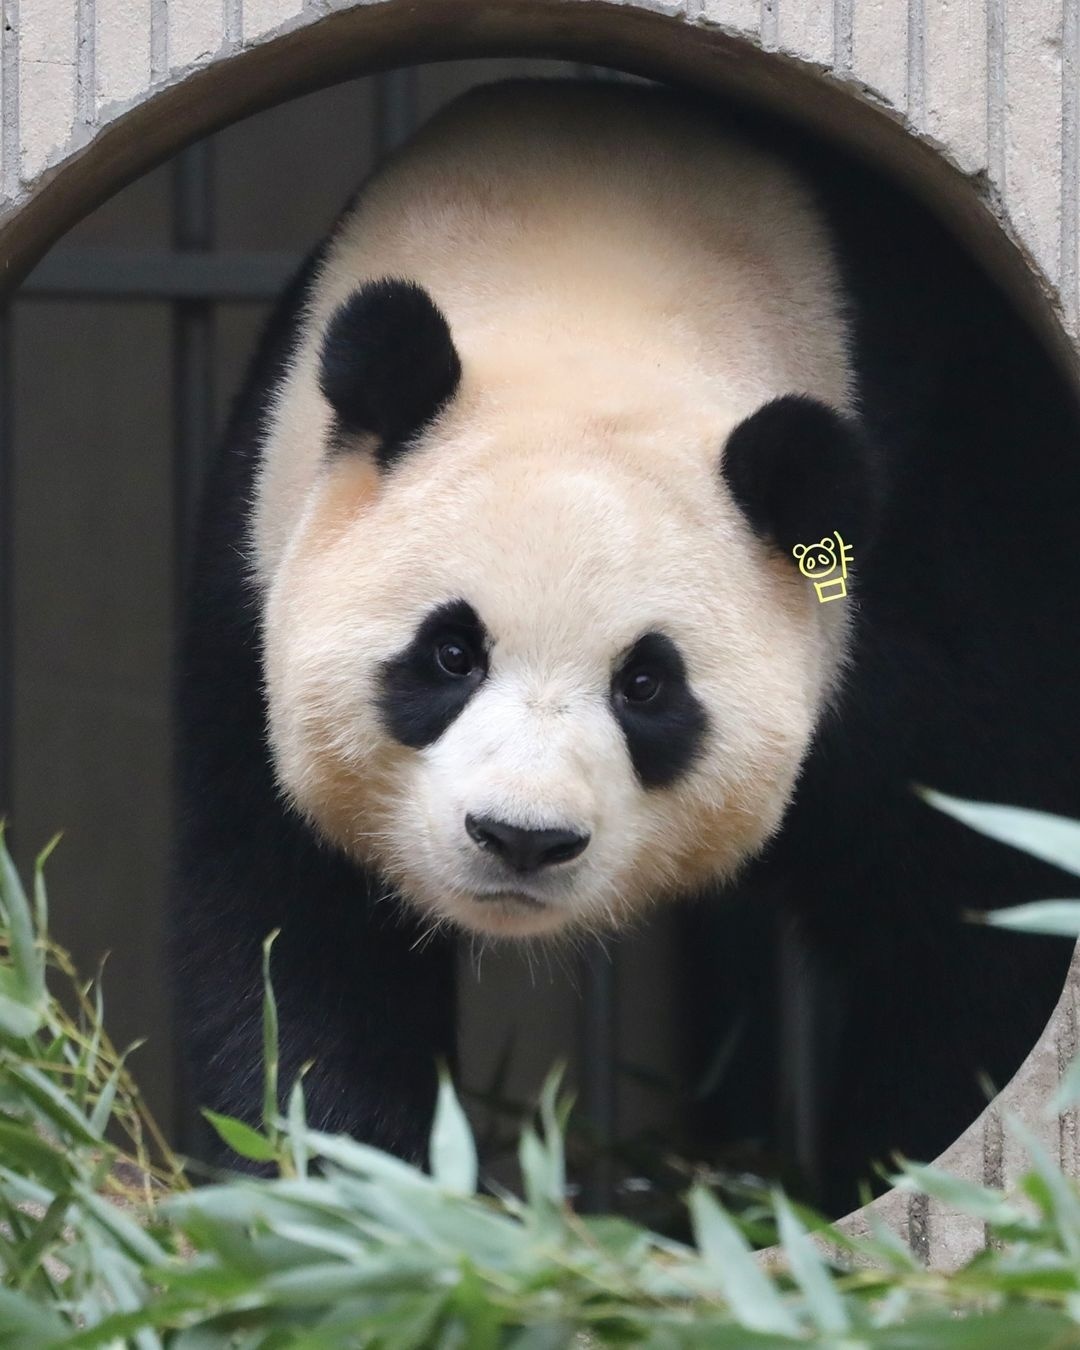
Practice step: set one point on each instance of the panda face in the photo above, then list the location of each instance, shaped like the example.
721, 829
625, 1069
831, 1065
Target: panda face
536, 647
533, 682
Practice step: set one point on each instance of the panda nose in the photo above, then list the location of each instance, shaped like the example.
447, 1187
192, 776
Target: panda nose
525, 850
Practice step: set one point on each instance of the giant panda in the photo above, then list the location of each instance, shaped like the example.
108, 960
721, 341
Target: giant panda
504, 620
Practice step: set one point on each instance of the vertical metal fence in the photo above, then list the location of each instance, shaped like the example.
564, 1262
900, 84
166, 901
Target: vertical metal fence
192, 342
7, 559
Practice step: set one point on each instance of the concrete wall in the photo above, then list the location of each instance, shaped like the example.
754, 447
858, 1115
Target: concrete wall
988, 84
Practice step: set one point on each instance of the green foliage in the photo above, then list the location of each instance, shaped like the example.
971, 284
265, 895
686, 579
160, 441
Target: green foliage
102, 1242
1054, 839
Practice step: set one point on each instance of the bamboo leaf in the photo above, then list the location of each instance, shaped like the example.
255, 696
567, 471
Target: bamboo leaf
1054, 839
26, 1324
978, 1202
131, 1237
326, 1281
1060, 1197
53, 1104
1056, 918
452, 1149
25, 1152
18, 1021
541, 1186
297, 1126
89, 1058
241, 1138
45, 1232
41, 899
748, 1290
270, 1043
1068, 1090
810, 1271
1009, 1328
407, 1322
26, 956
553, 1117
363, 1160
103, 1107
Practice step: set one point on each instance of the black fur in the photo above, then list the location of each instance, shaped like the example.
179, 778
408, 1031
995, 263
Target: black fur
966, 662
418, 700
388, 364
800, 470
665, 735
356, 995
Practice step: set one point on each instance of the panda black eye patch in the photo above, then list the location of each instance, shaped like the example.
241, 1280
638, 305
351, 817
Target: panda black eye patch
661, 718
426, 686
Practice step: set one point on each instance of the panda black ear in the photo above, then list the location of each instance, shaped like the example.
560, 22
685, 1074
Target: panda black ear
388, 363
799, 470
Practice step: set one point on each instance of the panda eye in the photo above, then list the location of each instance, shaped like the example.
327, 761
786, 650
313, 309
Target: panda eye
640, 686
455, 657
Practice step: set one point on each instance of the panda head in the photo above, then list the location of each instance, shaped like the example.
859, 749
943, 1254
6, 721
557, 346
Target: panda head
538, 650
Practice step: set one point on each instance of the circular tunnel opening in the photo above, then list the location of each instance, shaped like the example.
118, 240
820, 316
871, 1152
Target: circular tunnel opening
836, 1005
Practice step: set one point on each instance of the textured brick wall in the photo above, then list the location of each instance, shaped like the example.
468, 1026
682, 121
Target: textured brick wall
992, 84
989, 84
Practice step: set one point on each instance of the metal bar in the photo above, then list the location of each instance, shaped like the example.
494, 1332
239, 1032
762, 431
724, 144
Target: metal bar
158, 274
193, 414
803, 1056
7, 579
598, 1039
396, 105
193, 343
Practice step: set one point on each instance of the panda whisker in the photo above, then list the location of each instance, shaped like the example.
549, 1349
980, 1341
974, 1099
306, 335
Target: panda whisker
477, 948
427, 936
557, 951
385, 836
565, 949
528, 950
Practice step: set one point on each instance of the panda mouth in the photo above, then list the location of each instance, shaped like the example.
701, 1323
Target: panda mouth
510, 898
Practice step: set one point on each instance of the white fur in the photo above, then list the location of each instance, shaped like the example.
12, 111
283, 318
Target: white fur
623, 286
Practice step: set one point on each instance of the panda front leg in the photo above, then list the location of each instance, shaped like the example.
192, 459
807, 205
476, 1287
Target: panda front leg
364, 1011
